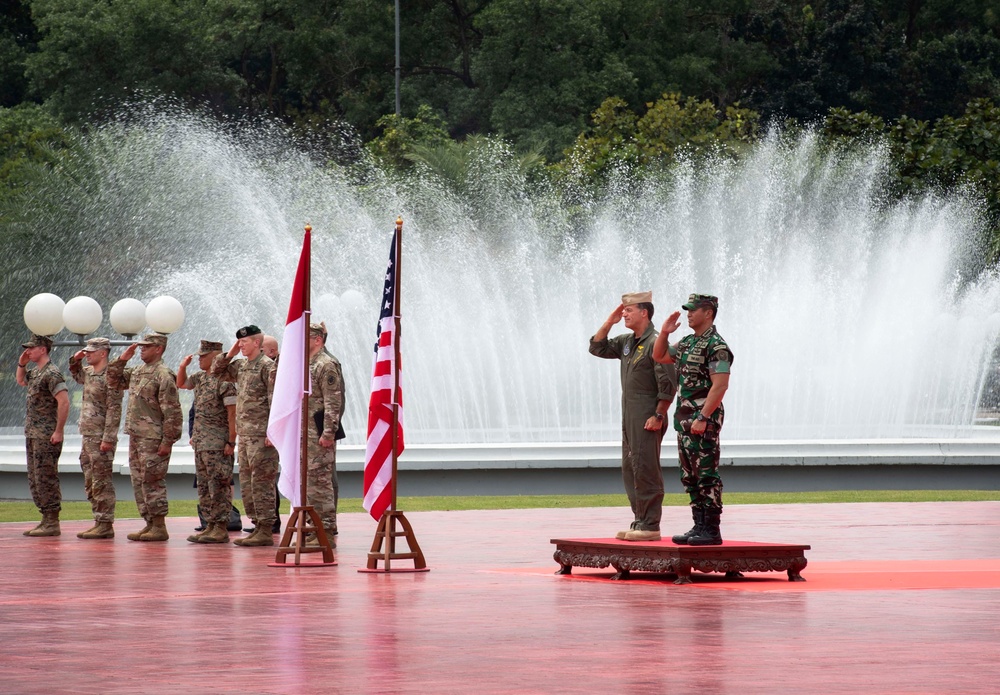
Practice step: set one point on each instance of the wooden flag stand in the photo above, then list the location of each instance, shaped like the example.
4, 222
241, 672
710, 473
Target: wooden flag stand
304, 520
384, 543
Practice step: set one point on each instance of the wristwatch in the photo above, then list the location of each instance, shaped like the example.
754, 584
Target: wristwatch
701, 417
658, 416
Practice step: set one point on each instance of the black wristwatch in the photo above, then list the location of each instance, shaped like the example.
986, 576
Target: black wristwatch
701, 417
658, 416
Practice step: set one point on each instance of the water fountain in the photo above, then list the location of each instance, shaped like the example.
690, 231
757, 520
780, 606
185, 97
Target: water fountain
851, 317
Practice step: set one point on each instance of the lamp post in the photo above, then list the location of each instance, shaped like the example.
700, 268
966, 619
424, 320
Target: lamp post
46, 314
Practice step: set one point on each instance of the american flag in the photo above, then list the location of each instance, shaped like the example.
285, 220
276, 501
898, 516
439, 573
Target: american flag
378, 453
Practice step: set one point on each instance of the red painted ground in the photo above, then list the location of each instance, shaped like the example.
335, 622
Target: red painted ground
899, 598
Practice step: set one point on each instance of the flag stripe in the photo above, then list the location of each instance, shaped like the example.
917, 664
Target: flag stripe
378, 449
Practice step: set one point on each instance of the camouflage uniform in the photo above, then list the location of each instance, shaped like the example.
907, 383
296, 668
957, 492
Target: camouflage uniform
644, 384
43, 457
154, 417
327, 402
698, 358
258, 461
209, 437
100, 416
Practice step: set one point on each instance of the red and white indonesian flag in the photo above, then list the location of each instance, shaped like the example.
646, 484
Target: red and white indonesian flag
284, 424
378, 453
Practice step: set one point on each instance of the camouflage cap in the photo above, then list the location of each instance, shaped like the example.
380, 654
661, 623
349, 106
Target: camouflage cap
207, 347
153, 339
38, 341
318, 329
698, 300
95, 344
637, 298
248, 331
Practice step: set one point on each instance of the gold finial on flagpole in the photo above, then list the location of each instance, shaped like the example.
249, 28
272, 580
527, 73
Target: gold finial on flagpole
309, 227
399, 222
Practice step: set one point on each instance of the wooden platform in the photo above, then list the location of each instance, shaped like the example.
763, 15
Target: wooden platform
731, 558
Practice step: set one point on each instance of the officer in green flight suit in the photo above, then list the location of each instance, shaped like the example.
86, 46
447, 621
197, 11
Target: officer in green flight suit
647, 389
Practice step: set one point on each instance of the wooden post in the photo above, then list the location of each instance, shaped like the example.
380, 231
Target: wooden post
304, 520
384, 543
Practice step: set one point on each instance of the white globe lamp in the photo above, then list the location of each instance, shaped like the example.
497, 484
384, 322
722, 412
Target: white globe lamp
82, 315
128, 317
165, 315
43, 314
352, 300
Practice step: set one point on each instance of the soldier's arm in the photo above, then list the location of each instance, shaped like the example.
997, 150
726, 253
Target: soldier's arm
270, 372
663, 351
600, 346
62, 412
76, 367
666, 382
119, 375
223, 368
113, 415
21, 375
333, 399
170, 406
182, 378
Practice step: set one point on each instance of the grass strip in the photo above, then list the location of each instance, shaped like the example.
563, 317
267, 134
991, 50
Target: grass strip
19, 510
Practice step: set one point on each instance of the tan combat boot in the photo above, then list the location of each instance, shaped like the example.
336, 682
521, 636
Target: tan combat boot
196, 537
215, 533
48, 527
103, 529
244, 539
157, 531
31, 531
90, 530
145, 529
262, 536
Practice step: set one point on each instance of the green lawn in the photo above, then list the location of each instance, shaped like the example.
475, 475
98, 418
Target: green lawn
17, 510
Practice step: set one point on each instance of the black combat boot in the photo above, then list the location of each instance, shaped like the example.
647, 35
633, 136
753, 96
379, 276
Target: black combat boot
698, 514
709, 534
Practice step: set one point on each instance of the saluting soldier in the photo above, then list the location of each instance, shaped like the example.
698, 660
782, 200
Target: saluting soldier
647, 389
214, 441
153, 423
326, 407
258, 460
47, 410
703, 366
100, 416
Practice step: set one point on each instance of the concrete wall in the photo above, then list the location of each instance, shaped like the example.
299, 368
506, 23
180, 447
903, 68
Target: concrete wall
528, 469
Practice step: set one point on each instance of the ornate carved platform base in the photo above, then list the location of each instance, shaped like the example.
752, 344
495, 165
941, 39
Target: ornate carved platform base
731, 558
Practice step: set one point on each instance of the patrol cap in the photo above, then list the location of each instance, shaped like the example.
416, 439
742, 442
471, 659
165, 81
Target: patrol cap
153, 339
637, 298
699, 300
248, 331
207, 347
317, 329
95, 344
38, 341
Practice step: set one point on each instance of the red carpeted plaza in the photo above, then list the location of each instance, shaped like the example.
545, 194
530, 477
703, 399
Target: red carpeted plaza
897, 598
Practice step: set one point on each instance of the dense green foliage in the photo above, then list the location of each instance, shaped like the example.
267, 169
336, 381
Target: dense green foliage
585, 85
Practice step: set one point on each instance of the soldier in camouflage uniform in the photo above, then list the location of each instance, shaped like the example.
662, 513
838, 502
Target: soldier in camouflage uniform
214, 441
153, 423
100, 416
326, 407
258, 460
647, 389
47, 410
703, 364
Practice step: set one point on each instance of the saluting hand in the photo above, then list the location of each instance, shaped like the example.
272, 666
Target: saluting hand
129, 352
616, 315
234, 350
23, 359
186, 360
79, 355
672, 323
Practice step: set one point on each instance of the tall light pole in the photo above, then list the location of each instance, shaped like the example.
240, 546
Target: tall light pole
397, 60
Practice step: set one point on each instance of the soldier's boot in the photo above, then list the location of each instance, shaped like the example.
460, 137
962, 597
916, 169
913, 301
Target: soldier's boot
90, 530
138, 534
196, 537
698, 514
30, 530
216, 533
103, 529
157, 531
262, 536
710, 533
250, 534
48, 527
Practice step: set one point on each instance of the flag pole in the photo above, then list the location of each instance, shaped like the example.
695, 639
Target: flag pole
304, 520
384, 545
